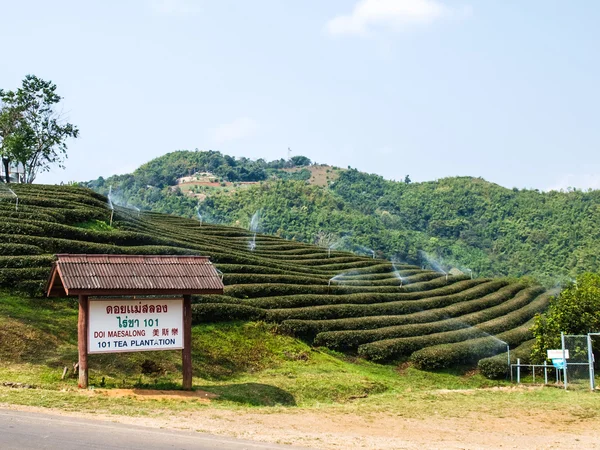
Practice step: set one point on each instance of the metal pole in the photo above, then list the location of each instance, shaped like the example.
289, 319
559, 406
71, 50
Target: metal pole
591, 362
519, 370
533, 372
545, 372
508, 351
562, 341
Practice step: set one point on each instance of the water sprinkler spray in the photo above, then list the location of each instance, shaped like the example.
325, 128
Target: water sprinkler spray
471, 272
110, 204
507, 351
373, 252
397, 273
16, 199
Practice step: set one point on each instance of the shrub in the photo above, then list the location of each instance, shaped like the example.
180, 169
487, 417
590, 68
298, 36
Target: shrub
496, 367
17, 262
19, 249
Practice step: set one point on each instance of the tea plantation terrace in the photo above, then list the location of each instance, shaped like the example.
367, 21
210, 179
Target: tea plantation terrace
346, 302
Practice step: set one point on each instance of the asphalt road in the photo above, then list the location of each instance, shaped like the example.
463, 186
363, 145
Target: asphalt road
25, 430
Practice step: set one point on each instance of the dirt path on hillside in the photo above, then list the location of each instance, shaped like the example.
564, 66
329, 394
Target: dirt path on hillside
337, 430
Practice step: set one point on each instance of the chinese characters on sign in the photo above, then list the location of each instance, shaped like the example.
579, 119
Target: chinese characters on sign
135, 325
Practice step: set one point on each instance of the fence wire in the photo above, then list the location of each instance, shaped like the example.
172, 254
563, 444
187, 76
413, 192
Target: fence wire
577, 370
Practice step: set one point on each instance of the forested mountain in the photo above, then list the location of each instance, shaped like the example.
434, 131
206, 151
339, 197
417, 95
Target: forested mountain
461, 222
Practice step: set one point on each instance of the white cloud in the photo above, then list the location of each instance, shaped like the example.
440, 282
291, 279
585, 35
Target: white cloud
240, 128
175, 7
583, 182
392, 14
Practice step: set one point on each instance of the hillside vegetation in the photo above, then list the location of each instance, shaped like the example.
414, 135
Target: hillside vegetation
453, 222
366, 306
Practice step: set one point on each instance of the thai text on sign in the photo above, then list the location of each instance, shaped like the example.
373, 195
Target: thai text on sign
135, 325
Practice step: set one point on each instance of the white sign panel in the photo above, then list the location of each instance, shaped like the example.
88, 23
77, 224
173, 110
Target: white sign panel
557, 354
135, 325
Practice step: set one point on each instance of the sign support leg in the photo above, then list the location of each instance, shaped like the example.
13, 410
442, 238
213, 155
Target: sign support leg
82, 341
186, 353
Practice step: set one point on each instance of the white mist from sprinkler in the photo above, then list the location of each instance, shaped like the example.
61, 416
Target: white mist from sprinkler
335, 245
110, 205
366, 250
198, 213
433, 263
397, 274
339, 277
497, 340
470, 272
507, 349
16, 198
254, 225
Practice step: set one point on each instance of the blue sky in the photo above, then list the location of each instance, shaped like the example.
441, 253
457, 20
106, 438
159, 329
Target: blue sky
506, 90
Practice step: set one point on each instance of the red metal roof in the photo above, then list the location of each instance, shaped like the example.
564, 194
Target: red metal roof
133, 274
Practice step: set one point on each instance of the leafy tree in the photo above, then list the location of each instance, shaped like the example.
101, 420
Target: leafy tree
13, 132
299, 161
32, 131
576, 310
407, 179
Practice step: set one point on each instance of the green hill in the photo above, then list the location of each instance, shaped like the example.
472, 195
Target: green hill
356, 304
461, 222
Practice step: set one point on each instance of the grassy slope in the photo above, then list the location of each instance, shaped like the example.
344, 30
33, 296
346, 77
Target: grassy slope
249, 365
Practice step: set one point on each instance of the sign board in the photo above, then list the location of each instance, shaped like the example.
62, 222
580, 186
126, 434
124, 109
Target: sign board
557, 354
120, 325
559, 363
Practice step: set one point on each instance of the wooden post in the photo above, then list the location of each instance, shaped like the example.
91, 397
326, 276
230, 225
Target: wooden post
186, 353
82, 340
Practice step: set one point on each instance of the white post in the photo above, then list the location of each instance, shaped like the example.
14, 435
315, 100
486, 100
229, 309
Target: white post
519, 370
562, 340
591, 362
545, 372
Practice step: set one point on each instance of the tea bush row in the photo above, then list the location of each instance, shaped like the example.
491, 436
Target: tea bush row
389, 349
351, 339
337, 296
379, 309
468, 353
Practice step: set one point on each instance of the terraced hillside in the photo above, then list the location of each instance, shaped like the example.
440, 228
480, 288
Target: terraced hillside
370, 307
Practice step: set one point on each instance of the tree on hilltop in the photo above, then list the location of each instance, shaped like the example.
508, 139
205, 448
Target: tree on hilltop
299, 161
32, 132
